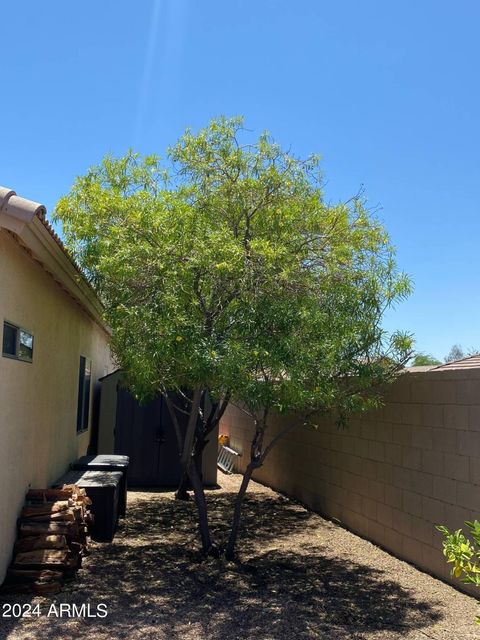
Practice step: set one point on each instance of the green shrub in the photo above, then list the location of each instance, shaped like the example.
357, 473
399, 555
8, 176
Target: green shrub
463, 553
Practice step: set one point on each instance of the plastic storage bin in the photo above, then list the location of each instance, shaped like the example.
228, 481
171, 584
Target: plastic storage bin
103, 488
108, 463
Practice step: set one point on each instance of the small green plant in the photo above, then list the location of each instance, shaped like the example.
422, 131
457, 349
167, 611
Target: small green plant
463, 553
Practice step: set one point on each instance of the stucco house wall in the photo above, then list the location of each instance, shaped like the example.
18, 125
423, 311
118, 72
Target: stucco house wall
393, 474
38, 400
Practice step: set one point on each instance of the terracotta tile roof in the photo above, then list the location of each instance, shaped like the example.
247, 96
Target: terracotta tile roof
472, 362
42, 216
16, 211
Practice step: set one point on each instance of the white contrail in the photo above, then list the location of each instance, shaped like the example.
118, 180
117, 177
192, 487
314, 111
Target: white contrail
169, 18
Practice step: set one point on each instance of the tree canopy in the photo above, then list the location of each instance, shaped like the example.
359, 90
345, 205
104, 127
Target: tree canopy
457, 352
224, 269
230, 263
424, 359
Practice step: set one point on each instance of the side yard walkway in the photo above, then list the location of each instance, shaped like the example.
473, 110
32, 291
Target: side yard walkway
300, 576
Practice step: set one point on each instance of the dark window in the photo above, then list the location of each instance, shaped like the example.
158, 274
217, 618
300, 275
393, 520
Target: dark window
9, 339
84, 378
17, 343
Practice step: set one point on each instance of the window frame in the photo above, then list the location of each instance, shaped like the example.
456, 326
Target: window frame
84, 394
18, 329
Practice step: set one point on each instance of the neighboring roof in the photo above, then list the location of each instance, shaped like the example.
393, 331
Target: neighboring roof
27, 220
472, 362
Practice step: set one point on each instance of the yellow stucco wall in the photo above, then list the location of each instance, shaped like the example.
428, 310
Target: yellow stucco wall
38, 401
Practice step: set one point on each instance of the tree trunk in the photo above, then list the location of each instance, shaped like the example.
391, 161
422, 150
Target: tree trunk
197, 455
190, 470
200, 442
191, 461
256, 461
182, 491
184, 483
207, 545
230, 550
188, 464
189, 441
258, 453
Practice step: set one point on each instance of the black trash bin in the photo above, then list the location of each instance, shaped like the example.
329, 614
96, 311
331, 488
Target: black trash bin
103, 488
108, 462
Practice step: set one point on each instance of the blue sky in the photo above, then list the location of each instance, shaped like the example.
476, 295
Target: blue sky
387, 93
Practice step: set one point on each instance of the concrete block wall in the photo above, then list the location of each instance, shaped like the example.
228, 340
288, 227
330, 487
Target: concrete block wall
393, 474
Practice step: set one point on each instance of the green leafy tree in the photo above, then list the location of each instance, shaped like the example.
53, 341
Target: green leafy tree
226, 272
424, 359
457, 353
463, 553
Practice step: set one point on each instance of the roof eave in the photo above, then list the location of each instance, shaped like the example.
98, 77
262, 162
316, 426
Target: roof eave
39, 240
26, 219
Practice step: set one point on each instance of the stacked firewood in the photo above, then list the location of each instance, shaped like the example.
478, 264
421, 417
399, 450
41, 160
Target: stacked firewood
52, 539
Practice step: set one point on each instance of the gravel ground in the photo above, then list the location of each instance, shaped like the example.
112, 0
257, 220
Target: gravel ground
298, 576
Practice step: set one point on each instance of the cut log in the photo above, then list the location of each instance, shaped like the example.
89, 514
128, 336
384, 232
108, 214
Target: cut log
47, 588
49, 495
52, 540
41, 557
78, 492
70, 529
41, 542
58, 516
31, 575
67, 492
47, 508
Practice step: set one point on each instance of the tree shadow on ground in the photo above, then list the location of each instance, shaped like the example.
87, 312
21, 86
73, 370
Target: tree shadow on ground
156, 584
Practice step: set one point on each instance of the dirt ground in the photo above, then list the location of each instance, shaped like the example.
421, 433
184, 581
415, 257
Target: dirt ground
298, 576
